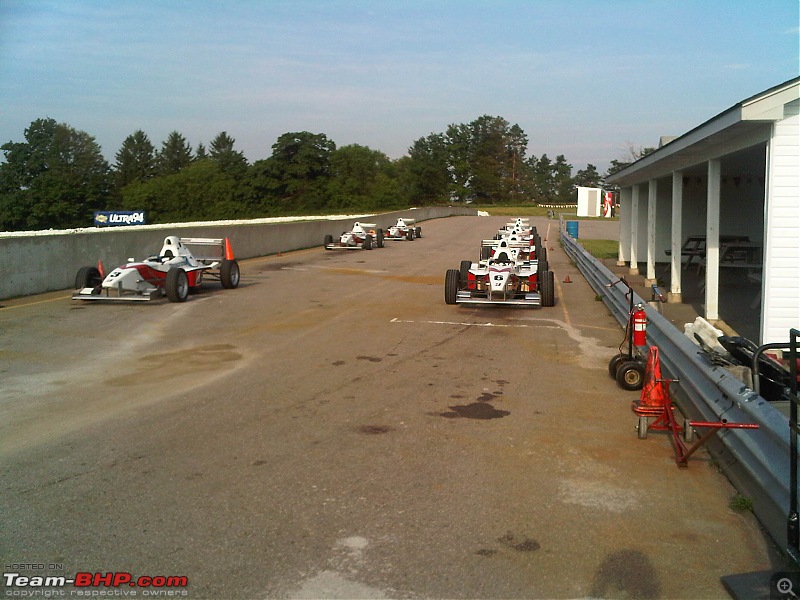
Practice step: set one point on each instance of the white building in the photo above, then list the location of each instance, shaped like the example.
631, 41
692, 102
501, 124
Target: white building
730, 187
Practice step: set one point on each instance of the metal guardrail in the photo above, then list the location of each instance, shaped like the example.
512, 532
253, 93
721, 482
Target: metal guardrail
756, 461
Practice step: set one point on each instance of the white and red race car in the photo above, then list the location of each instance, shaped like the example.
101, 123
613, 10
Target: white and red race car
403, 230
506, 274
171, 273
363, 236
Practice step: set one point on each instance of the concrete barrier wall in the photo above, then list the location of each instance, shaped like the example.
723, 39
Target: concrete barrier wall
43, 261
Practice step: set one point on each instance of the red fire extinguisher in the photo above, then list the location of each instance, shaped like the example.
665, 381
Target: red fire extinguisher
639, 326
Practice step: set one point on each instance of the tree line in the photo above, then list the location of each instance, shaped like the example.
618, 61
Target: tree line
58, 176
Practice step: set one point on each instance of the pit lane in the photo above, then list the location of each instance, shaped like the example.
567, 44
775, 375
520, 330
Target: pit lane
332, 428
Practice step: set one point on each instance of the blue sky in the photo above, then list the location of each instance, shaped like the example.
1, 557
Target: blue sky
583, 78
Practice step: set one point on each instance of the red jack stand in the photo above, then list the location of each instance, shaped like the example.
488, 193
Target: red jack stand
656, 402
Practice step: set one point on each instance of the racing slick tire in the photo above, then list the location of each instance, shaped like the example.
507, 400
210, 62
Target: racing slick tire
541, 253
88, 277
328, 242
463, 272
367, 243
229, 274
379, 237
451, 286
177, 285
615, 362
630, 375
543, 265
547, 288
410, 235
486, 252
418, 232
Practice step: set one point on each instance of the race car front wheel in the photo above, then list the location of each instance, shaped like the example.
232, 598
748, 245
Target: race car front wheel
177, 285
229, 274
88, 277
451, 279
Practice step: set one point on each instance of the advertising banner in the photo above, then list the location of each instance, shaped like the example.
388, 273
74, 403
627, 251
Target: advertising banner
115, 218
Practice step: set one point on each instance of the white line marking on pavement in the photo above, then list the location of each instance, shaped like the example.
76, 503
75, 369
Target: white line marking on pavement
396, 320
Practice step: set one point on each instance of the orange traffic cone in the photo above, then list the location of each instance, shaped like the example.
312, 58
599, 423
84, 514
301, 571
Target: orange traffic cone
101, 269
567, 279
228, 250
655, 393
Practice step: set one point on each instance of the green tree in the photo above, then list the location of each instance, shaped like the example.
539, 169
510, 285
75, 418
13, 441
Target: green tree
562, 180
588, 177
363, 179
296, 176
199, 192
176, 154
230, 160
542, 185
426, 173
55, 179
136, 159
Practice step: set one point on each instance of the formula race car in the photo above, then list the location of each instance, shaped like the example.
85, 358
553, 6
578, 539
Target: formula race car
403, 230
171, 273
504, 278
363, 236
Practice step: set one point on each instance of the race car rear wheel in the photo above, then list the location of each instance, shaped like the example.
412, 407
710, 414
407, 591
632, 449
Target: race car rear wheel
88, 277
379, 237
547, 288
328, 241
229, 274
418, 232
451, 286
177, 285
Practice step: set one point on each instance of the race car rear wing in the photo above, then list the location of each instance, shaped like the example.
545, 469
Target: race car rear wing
223, 244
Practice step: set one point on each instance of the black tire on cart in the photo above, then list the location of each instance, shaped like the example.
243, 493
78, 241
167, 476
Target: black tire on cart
379, 238
418, 232
88, 277
229, 274
641, 428
630, 375
547, 288
463, 272
615, 362
451, 286
367, 244
328, 241
177, 285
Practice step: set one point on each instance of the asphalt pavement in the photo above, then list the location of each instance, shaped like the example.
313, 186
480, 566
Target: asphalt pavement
333, 429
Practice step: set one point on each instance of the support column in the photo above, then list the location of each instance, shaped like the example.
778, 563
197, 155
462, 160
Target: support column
634, 270
712, 239
675, 295
652, 194
624, 247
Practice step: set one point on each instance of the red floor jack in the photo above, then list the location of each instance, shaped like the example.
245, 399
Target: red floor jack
628, 368
656, 402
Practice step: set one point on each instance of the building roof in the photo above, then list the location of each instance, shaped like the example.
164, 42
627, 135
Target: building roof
743, 125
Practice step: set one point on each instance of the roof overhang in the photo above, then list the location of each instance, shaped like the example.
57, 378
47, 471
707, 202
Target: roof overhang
746, 124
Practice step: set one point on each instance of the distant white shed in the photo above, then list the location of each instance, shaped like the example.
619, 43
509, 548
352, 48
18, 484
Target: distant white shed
590, 201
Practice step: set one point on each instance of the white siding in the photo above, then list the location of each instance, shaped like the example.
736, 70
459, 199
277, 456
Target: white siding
781, 299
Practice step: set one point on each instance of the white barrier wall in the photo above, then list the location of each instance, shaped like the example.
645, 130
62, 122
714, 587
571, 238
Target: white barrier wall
43, 261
